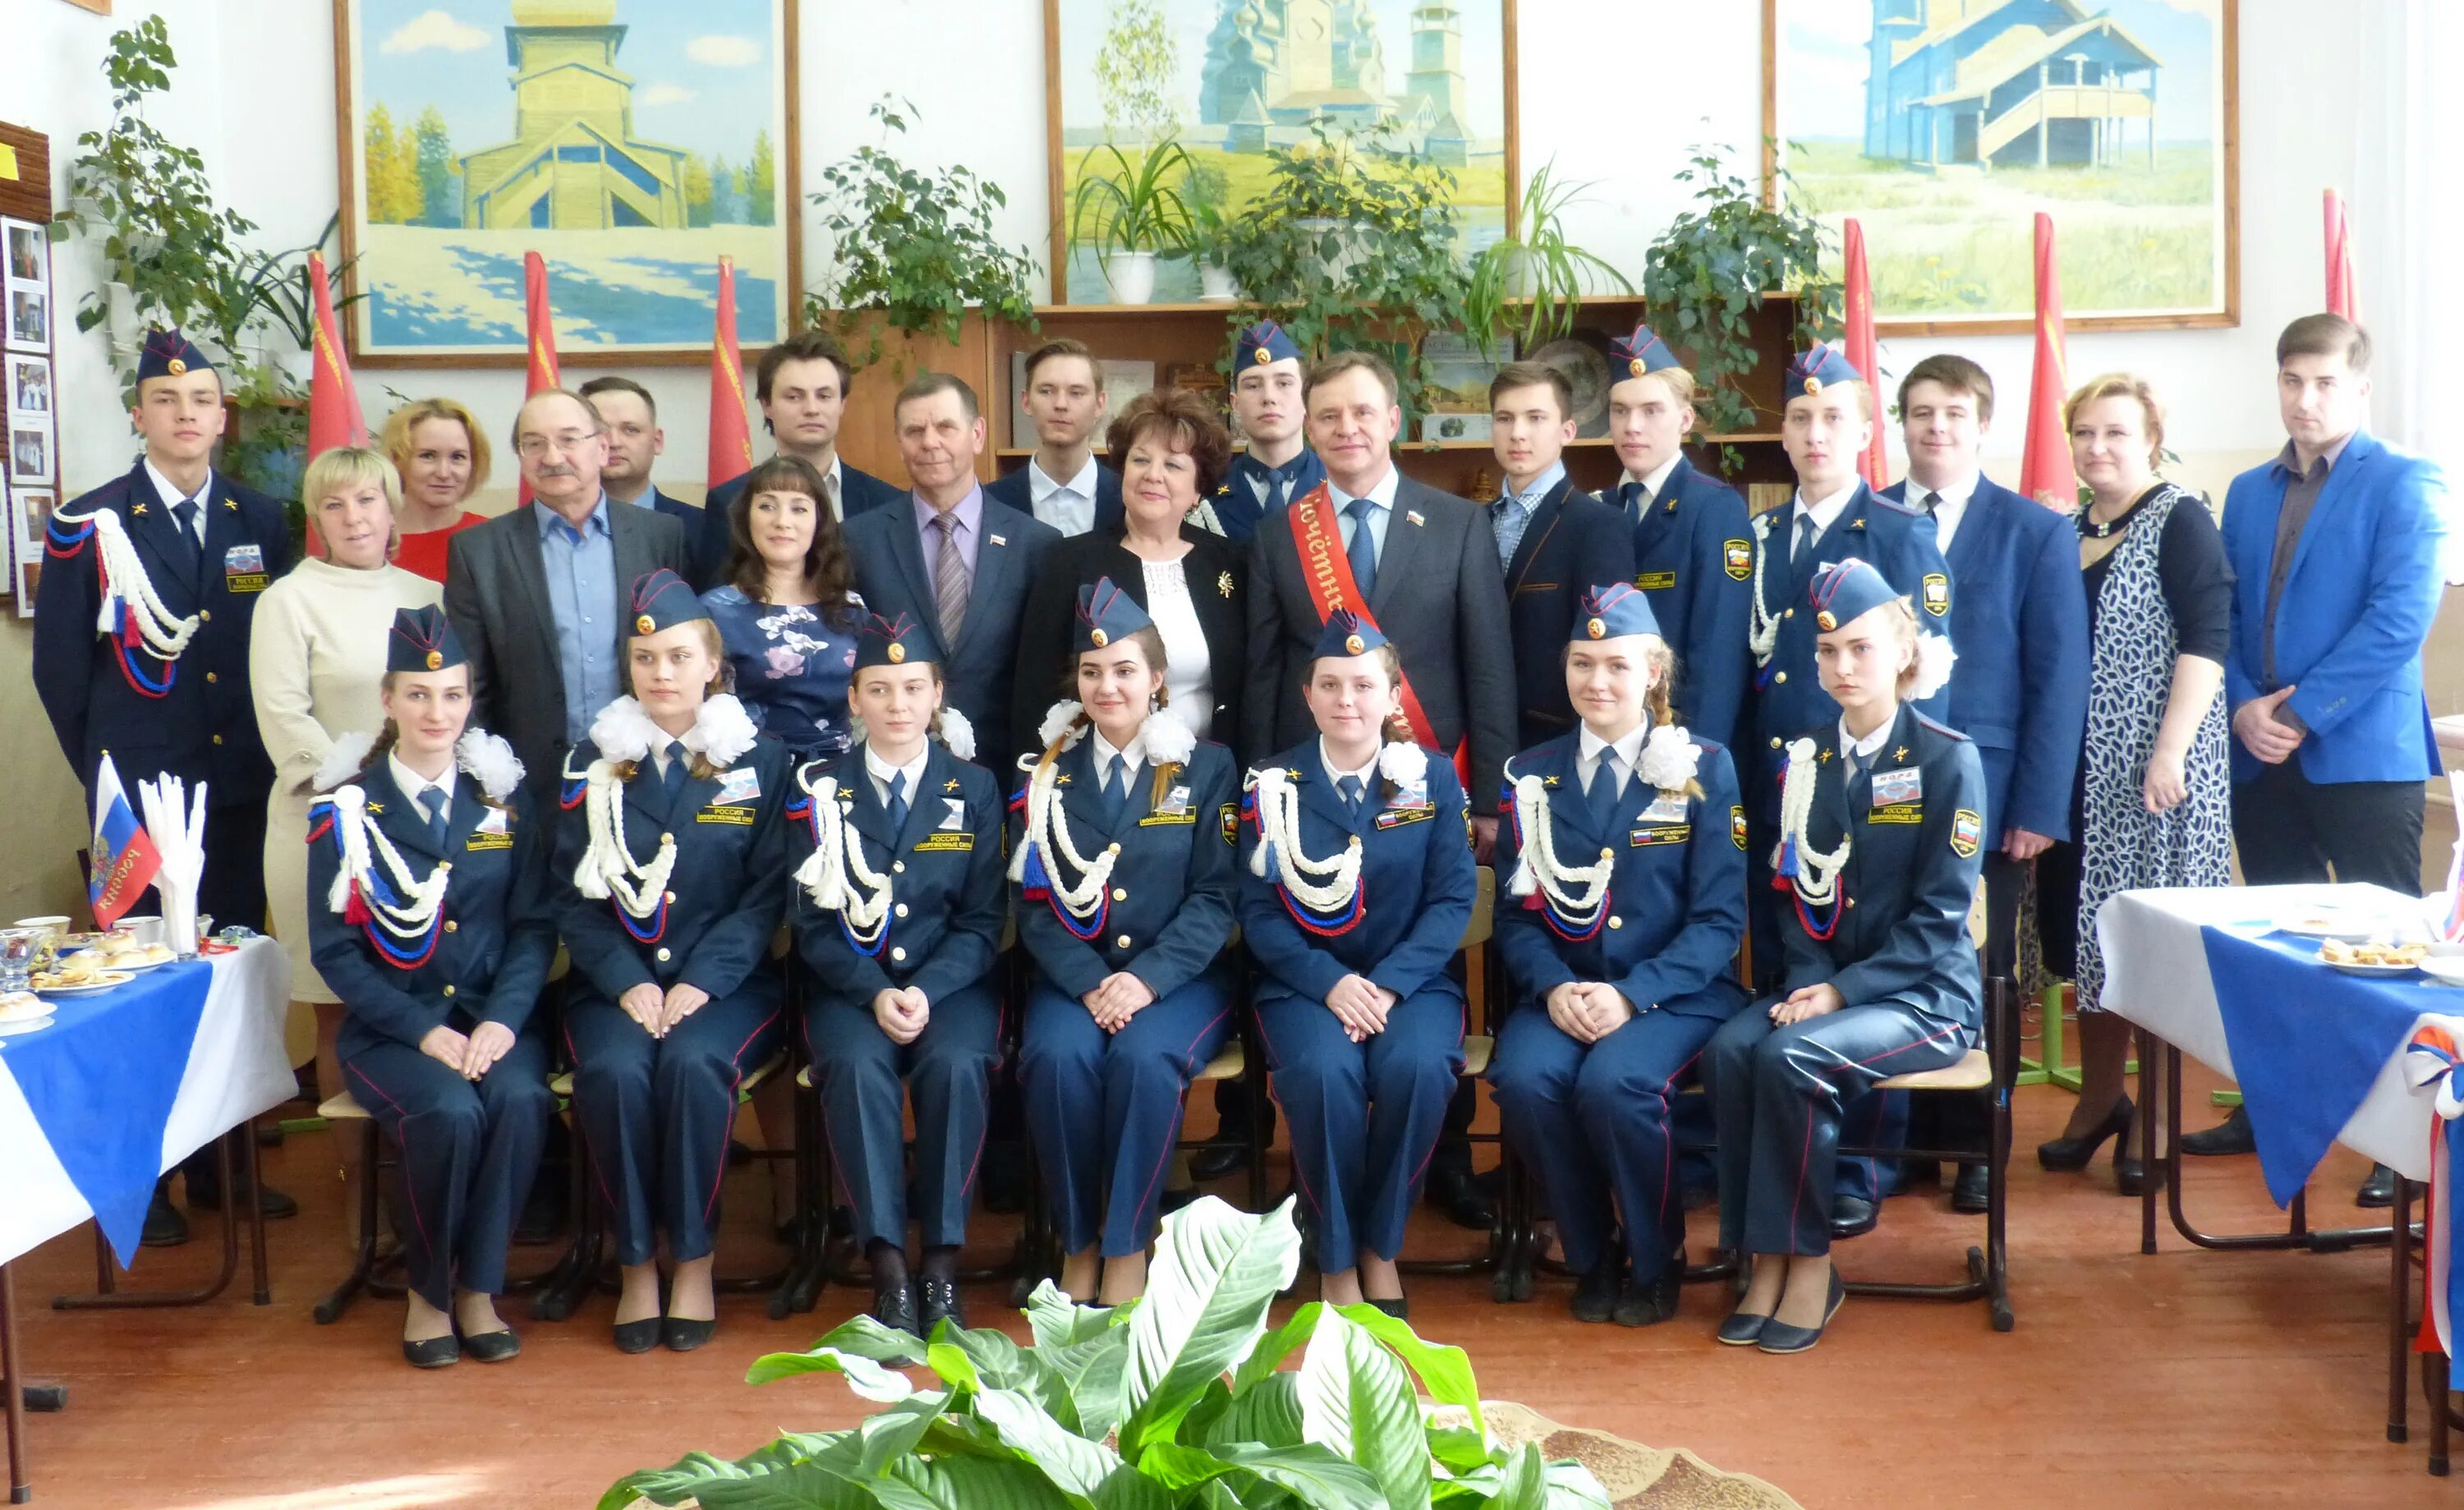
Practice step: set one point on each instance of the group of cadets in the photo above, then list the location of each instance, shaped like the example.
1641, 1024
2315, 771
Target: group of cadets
1715, 716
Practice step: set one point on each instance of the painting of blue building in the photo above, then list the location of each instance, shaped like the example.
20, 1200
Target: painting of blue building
2002, 84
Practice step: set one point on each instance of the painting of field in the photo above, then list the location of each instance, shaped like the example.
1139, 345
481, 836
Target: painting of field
1945, 126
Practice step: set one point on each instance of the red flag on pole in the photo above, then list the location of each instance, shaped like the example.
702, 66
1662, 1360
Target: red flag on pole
2343, 294
2045, 472
1876, 463
541, 322
334, 416
731, 421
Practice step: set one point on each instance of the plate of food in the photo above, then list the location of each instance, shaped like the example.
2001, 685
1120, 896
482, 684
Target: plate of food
2372, 959
136, 958
66, 981
23, 1011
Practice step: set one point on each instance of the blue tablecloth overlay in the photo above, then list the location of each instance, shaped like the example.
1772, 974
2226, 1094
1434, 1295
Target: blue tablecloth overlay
2307, 1041
101, 1082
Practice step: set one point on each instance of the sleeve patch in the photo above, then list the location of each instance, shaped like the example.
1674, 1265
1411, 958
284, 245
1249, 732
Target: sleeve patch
1737, 559
1737, 825
1967, 832
1937, 594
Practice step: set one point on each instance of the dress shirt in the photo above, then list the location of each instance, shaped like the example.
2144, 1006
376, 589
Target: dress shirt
581, 566
172, 498
1951, 506
1528, 500
1105, 754
421, 790
2302, 491
1368, 773
1382, 495
1823, 512
882, 772
1188, 675
969, 512
1068, 507
1624, 751
1864, 750
1658, 478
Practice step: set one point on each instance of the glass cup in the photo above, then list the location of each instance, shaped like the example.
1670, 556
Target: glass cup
17, 946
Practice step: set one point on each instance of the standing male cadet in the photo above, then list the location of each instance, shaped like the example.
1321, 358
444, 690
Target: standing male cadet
1278, 466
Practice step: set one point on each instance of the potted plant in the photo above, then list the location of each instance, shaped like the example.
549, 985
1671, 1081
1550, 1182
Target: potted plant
1712, 269
1132, 214
1539, 264
1208, 245
1179, 1399
916, 246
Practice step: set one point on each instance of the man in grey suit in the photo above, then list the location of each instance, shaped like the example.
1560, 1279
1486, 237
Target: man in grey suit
1427, 568
954, 561
538, 595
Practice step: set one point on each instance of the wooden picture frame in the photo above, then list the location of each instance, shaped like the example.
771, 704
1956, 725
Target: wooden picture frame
1190, 25
440, 293
1937, 123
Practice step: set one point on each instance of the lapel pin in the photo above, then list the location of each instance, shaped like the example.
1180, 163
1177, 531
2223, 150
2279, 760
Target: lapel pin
950, 785
232, 504
376, 807
139, 511
1413, 515
996, 539
1901, 754
1223, 583
1825, 756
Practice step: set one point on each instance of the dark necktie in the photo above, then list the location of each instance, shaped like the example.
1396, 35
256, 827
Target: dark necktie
1363, 549
1929, 501
1804, 546
185, 514
1280, 480
951, 580
898, 801
671, 780
439, 810
1352, 789
1114, 786
1634, 499
1603, 791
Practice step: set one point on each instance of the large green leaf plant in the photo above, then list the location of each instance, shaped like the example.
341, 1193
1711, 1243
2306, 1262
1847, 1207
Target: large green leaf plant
1181, 1399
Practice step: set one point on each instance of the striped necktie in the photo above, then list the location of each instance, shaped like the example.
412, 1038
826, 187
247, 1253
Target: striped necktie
951, 580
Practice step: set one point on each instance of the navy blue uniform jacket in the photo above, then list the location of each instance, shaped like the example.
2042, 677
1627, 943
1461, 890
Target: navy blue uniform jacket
1694, 558
1572, 543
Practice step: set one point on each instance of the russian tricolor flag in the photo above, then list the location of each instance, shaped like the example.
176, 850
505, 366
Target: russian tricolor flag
125, 856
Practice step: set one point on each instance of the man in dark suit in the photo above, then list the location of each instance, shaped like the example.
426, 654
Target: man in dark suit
634, 440
1420, 563
802, 386
164, 705
2337, 547
957, 561
1556, 542
538, 595
1062, 484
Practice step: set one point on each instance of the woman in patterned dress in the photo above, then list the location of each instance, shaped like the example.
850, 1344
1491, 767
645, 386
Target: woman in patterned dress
787, 609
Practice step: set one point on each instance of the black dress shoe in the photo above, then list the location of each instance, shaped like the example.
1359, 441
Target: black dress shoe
2133, 1175
207, 1196
1779, 1337
683, 1335
1595, 1294
1972, 1192
2067, 1155
893, 1306
2378, 1192
492, 1347
1852, 1217
637, 1337
939, 1303
164, 1227
1398, 1306
2233, 1135
1215, 1163
436, 1353
1649, 1304
1465, 1204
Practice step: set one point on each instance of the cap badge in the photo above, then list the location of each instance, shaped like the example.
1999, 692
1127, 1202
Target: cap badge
1812, 386
1826, 620
1264, 357
1100, 639
1353, 644
1599, 629
176, 368
435, 659
1634, 368
646, 624
897, 655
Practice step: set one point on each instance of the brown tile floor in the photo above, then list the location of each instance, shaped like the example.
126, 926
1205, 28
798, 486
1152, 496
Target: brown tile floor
2186, 1379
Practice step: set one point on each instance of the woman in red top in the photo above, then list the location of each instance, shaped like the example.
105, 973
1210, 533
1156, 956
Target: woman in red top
443, 457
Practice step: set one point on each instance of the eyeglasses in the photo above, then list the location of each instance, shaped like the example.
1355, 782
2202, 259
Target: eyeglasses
535, 446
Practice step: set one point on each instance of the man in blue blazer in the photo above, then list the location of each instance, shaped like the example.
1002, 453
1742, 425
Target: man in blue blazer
2336, 547
1062, 484
634, 440
802, 386
2019, 687
956, 560
1554, 541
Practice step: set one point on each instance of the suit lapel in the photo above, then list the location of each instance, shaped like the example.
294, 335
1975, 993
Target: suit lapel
223, 531
156, 535
530, 567
993, 562
1081, 798
1973, 526
1535, 533
926, 804
2343, 478
1833, 800
392, 811
1317, 791
907, 545
1405, 540
1571, 815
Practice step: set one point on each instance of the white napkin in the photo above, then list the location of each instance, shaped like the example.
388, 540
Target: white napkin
178, 830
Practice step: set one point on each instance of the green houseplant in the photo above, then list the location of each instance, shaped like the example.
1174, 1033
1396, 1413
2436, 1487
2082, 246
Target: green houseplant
1713, 267
1539, 263
1133, 213
916, 246
1177, 1400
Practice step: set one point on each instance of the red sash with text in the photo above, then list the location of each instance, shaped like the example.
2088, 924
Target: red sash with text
1328, 570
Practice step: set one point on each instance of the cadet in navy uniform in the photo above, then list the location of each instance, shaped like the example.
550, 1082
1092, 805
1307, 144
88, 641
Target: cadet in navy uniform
1553, 538
899, 912
1626, 902
1278, 465
1355, 896
149, 585
432, 922
1122, 851
1693, 552
1883, 814
673, 858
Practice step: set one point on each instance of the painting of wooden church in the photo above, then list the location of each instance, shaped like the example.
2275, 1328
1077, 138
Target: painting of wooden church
2007, 83
574, 162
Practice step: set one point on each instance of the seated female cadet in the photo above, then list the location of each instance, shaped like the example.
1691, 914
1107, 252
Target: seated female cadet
1881, 829
676, 854
1123, 858
1357, 892
1622, 912
899, 913
430, 918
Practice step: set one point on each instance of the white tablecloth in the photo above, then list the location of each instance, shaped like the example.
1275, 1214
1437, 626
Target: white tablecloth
2156, 976
236, 1069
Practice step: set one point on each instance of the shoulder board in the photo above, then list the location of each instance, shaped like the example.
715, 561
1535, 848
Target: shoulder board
1944, 730
1899, 506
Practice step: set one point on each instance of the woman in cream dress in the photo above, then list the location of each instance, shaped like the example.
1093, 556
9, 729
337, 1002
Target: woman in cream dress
317, 652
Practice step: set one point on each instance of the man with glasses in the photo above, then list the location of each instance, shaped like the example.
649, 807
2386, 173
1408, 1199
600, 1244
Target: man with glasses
536, 594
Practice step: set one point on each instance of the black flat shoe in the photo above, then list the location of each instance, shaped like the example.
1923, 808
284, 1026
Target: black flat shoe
893, 1306
1778, 1337
936, 1302
2378, 1192
164, 1227
494, 1347
637, 1337
1649, 1304
436, 1353
1595, 1294
1972, 1192
207, 1195
683, 1335
1741, 1330
1398, 1306
2230, 1136
2069, 1155
1852, 1217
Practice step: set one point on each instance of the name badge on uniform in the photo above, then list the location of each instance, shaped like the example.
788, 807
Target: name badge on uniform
1175, 809
741, 785
1669, 807
954, 821
1407, 809
1655, 582
1660, 834
244, 569
739, 815
481, 839
940, 843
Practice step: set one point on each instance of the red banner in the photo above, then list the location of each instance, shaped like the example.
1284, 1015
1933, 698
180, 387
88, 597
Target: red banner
1876, 463
541, 323
334, 417
2343, 294
731, 419
2045, 472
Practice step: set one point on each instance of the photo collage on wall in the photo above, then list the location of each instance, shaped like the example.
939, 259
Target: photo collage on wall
31, 488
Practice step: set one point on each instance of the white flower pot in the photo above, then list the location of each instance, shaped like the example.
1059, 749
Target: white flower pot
1132, 276
120, 316
1216, 284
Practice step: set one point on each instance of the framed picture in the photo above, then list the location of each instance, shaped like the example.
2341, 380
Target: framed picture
30, 318
1943, 126
1232, 80
631, 143
29, 450
30, 515
30, 386
28, 259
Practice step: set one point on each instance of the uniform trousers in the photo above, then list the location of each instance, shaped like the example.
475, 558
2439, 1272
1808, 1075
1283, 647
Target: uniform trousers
468, 1152
866, 1081
658, 1112
1777, 1093
1593, 1120
1104, 1109
1364, 1116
